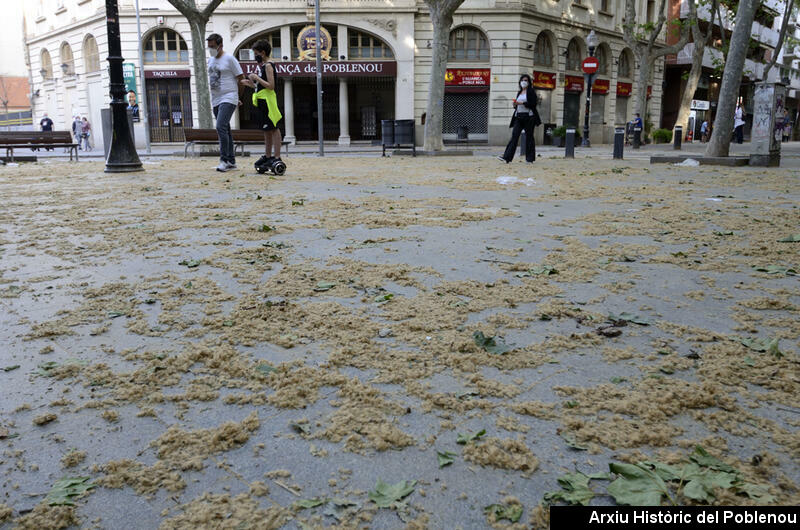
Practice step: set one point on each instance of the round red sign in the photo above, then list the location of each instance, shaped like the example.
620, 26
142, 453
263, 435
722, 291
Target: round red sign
590, 65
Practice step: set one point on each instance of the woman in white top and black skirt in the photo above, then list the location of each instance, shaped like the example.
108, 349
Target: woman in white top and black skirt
525, 117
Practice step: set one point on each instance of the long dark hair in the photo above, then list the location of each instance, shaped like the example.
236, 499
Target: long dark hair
530, 83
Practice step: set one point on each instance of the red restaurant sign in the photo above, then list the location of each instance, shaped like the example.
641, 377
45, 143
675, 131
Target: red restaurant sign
573, 83
465, 77
624, 89
332, 68
601, 86
544, 80
166, 74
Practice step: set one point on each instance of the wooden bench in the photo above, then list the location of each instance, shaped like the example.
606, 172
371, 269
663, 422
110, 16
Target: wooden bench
241, 137
11, 140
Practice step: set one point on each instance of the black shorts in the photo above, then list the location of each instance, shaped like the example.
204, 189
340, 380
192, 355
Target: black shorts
264, 123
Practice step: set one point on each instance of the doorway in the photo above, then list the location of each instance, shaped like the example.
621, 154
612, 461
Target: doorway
572, 109
304, 94
169, 109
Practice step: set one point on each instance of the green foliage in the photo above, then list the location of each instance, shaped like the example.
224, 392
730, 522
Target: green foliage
662, 136
648, 483
390, 495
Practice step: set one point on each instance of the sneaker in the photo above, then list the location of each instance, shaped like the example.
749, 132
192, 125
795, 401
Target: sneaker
502, 159
223, 167
261, 160
231, 165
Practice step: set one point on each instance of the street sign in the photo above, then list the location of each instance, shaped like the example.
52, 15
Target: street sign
590, 65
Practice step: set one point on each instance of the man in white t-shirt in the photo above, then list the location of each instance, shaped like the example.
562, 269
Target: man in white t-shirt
224, 74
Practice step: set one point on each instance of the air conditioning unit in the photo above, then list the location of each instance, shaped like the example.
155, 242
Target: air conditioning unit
247, 55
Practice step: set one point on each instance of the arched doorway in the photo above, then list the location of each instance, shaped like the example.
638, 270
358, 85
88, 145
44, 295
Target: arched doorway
358, 82
573, 83
545, 69
624, 85
247, 112
466, 92
169, 98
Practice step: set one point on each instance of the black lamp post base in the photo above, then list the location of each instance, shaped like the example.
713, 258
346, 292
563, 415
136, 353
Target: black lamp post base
123, 168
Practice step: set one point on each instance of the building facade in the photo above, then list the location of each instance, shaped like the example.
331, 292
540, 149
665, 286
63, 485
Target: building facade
764, 40
377, 63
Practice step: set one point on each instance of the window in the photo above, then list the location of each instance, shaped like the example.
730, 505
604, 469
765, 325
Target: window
605, 6
363, 46
624, 69
165, 46
468, 44
602, 60
47, 65
573, 55
543, 51
91, 57
651, 9
765, 17
274, 40
67, 61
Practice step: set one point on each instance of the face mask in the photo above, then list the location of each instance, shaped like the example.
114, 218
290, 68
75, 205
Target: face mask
259, 59
524, 84
212, 52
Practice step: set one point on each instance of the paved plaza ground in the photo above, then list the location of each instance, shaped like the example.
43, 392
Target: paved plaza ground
243, 351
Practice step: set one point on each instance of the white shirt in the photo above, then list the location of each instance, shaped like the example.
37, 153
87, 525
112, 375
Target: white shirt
222, 74
737, 118
522, 101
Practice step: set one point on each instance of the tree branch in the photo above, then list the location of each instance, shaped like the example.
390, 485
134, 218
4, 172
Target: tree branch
781, 37
721, 26
662, 17
184, 8
211, 7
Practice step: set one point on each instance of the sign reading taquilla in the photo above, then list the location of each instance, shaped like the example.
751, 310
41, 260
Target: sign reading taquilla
307, 43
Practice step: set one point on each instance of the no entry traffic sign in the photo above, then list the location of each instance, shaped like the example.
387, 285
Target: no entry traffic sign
590, 65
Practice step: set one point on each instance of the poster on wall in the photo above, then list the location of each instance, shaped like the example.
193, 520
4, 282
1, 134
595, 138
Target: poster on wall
129, 76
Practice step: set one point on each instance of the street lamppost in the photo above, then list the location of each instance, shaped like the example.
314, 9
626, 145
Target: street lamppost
122, 155
591, 43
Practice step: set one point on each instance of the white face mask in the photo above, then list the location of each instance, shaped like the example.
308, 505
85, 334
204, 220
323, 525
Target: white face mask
524, 84
212, 52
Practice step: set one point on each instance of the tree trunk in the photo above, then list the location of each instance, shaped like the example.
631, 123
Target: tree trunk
441, 43
198, 27
691, 84
642, 79
720, 142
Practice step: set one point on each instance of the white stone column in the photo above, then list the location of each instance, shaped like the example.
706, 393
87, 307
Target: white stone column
344, 113
288, 110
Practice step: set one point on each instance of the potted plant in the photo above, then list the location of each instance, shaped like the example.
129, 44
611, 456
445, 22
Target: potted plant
559, 133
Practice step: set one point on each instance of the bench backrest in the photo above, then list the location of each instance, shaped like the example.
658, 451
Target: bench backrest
35, 137
199, 135
239, 135
248, 135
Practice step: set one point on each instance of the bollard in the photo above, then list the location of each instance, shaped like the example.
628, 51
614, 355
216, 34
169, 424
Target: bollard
677, 136
569, 150
637, 137
619, 142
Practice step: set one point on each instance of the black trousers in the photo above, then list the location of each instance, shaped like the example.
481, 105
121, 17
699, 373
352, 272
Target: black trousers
522, 122
739, 134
